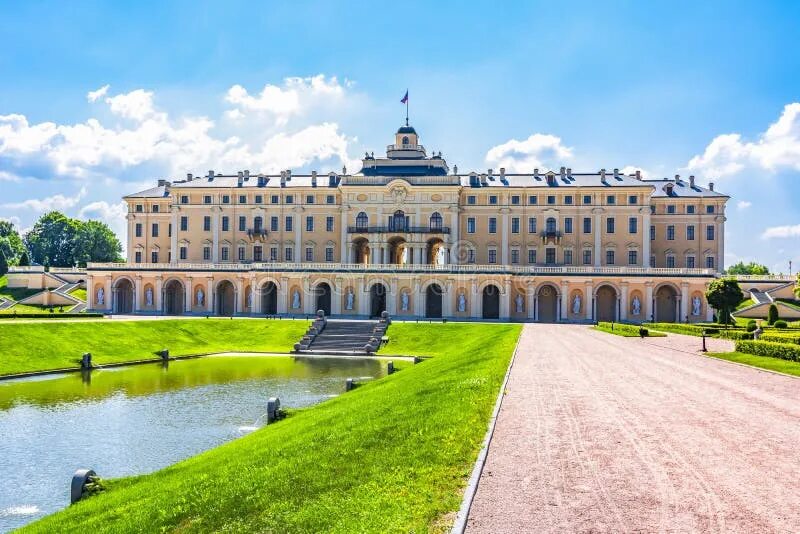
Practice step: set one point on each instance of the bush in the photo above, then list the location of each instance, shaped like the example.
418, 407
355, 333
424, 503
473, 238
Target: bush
735, 334
780, 323
781, 338
784, 351
626, 328
772, 315
751, 325
687, 329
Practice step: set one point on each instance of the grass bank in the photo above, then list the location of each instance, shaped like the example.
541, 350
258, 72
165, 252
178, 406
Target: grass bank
625, 330
26, 347
390, 456
764, 362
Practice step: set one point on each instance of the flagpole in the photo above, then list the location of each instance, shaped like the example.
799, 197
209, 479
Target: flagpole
406, 107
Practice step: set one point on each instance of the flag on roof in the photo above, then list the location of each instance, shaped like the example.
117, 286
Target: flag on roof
405, 98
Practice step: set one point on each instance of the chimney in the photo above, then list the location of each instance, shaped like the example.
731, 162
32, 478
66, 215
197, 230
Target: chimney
455, 169
246, 175
563, 172
189, 177
603, 175
691, 180
313, 178
616, 173
240, 175
569, 172
483, 179
210, 175
331, 179
288, 174
711, 186
502, 172
162, 182
490, 172
677, 178
638, 174
240, 180
536, 173
262, 180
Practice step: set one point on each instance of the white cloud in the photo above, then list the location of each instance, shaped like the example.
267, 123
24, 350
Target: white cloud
136, 105
777, 232
94, 96
56, 202
8, 177
111, 214
743, 204
537, 151
776, 149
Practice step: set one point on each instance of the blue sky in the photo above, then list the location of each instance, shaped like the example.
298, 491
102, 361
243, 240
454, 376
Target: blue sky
671, 88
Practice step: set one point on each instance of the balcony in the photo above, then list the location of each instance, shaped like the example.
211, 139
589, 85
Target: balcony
550, 236
401, 229
257, 234
390, 148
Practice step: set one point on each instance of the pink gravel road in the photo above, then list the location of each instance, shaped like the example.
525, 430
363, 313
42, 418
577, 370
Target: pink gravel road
599, 433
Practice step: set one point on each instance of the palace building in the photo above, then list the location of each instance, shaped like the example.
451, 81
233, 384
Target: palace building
410, 236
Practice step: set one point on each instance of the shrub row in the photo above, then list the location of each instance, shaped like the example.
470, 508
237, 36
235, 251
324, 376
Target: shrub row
50, 315
784, 351
735, 334
622, 327
688, 329
781, 338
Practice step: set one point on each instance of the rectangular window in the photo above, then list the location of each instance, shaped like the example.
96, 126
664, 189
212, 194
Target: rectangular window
587, 199
273, 224
206, 223
184, 199
274, 199
710, 232
514, 256
471, 256
492, 199
609, 257
670, 262
225, 223
531, 225
690, 233
567, 257
633, 225
139, 208
568, 200
257, 253
515, 225
156, 208
587, 225
241, 254
242, 199
492, 256
225, 254
154, 230
310, 223
671, 233
242, 223
710, 209
531, 256
492, 225
611, 200
567, 225
652, 260
226, 199
709, 262
206, 253
652, 232
329, 224
610, 225
690, 262
690, 209
184, 223
329, 254
309, 254
551, 199
550, 256
330, 199
183, 253
154, 256
671, 209
273, 253
138, 229
471, 200
290, 199
288, 224
259, 199
309, 199
515, 200
633, 257
533, 200
138, 256
207, 199
587, 257
287, 254
471, 225
633, 199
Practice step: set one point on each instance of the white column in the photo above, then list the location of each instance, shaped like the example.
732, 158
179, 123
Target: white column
336, 297
137, 293
159, 294
385, 249
623, 307
90, 295
684, 302
505, 300
362, 298
374, 253
447, 299
239, 294
344, 256
598, 221
283, 295
173, 241
474, 304
298, 235
646, 237
564, 301
215, 236
188, 295
588, 299
504, 240
209, 295
391, 298
256, 298
529, 297
648, 301
309, 299
419, 300
454, 233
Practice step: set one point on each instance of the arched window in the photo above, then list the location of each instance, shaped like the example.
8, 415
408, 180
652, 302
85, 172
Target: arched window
362, 221
398, 221
550, 225
436, 221
405, 140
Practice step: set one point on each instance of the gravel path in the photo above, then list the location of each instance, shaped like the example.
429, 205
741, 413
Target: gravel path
599, 433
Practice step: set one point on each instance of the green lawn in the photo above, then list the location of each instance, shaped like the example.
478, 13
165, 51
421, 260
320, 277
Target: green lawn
764, 362
391, 456
14, 293
744, 304
79, 293
627, 332
53, 345
35, 308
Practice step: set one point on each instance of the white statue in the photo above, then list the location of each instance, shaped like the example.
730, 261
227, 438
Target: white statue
349, 298
637, 305
200, 296
462, 302
101, 296
519, 302
696, 305
576, 304
404, 301
440, 256
148, 296
296, 300
250, 299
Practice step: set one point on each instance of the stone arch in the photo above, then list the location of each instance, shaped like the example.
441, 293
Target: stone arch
173, 297
666, 298
547, 299
124, 295
269, 296
225, 296
434, 292
323, 292
490, 301
605, 302
485, 283
378, 292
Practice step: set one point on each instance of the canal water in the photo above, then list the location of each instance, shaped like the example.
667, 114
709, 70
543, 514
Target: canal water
133, 420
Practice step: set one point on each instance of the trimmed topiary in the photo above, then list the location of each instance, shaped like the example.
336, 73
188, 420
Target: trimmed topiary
772, 314
751, 325
784, 351
780, 323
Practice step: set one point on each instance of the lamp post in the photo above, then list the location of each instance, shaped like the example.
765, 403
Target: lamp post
704, 340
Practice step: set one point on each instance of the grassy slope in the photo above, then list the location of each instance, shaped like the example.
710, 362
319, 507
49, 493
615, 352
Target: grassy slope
79, 293
39, 346
14, 293
764, 362
390, 456
626, 333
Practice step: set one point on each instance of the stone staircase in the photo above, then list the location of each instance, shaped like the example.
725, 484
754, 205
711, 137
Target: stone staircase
335, 336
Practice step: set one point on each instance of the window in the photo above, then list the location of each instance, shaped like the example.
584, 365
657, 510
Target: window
273, 224
533, 200
550, 225
309, 199
329, 254
330, 199
329, 224
309, 253
492, 256
652, 232
492, 225
290, 199
587, 199
610, 225
287, 254
154, 230
242, 223
492, 199
568, 225
531, 255
183, 253
690, 209
633, 199
397, 221
138, 256
273, 253
531, 225
633, 257
242, 199
139, 208
206, 223
515, 225
226, 253
156, 208
225, 223
690, 232
515, 255
436, 221
226, 199
471, 256
184, 223
550, 256
310, 223
568, 199
671, 233
257, 253
259, 199
207, 199
587, 225
169, 230
206, 253
633, 225
258, 223
709, 262
471, 200
567, 257
652, 209
138, 229
551, 199
515, 200
710, 232
670, 262
671, 209
710, 209
611, 200
274, 199
288, 224
241, 254
184, 199
587, 257
609, 257
361, 221
471, 225
690, 262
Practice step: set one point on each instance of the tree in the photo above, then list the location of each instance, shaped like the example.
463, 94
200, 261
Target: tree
724, 294
772, 314
748, 268
24, 260
10, 243
797, 286
95, 241
3, 263
52, 238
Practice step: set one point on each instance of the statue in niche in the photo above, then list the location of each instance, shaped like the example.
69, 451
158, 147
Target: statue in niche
349, 298
696, 305
520, 303
440, 256
200, 296
148, 296
250, 299
404, 301
576, 304
101, 296
296, 300
462, 302
636, 308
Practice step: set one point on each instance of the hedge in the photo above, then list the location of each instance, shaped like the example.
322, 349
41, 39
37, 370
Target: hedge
784, 351
688, 329
780, 338
735, 334
622, 327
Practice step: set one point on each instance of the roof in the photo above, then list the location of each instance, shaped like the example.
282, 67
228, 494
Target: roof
154, 192
682, 189
406, 130
572, 180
